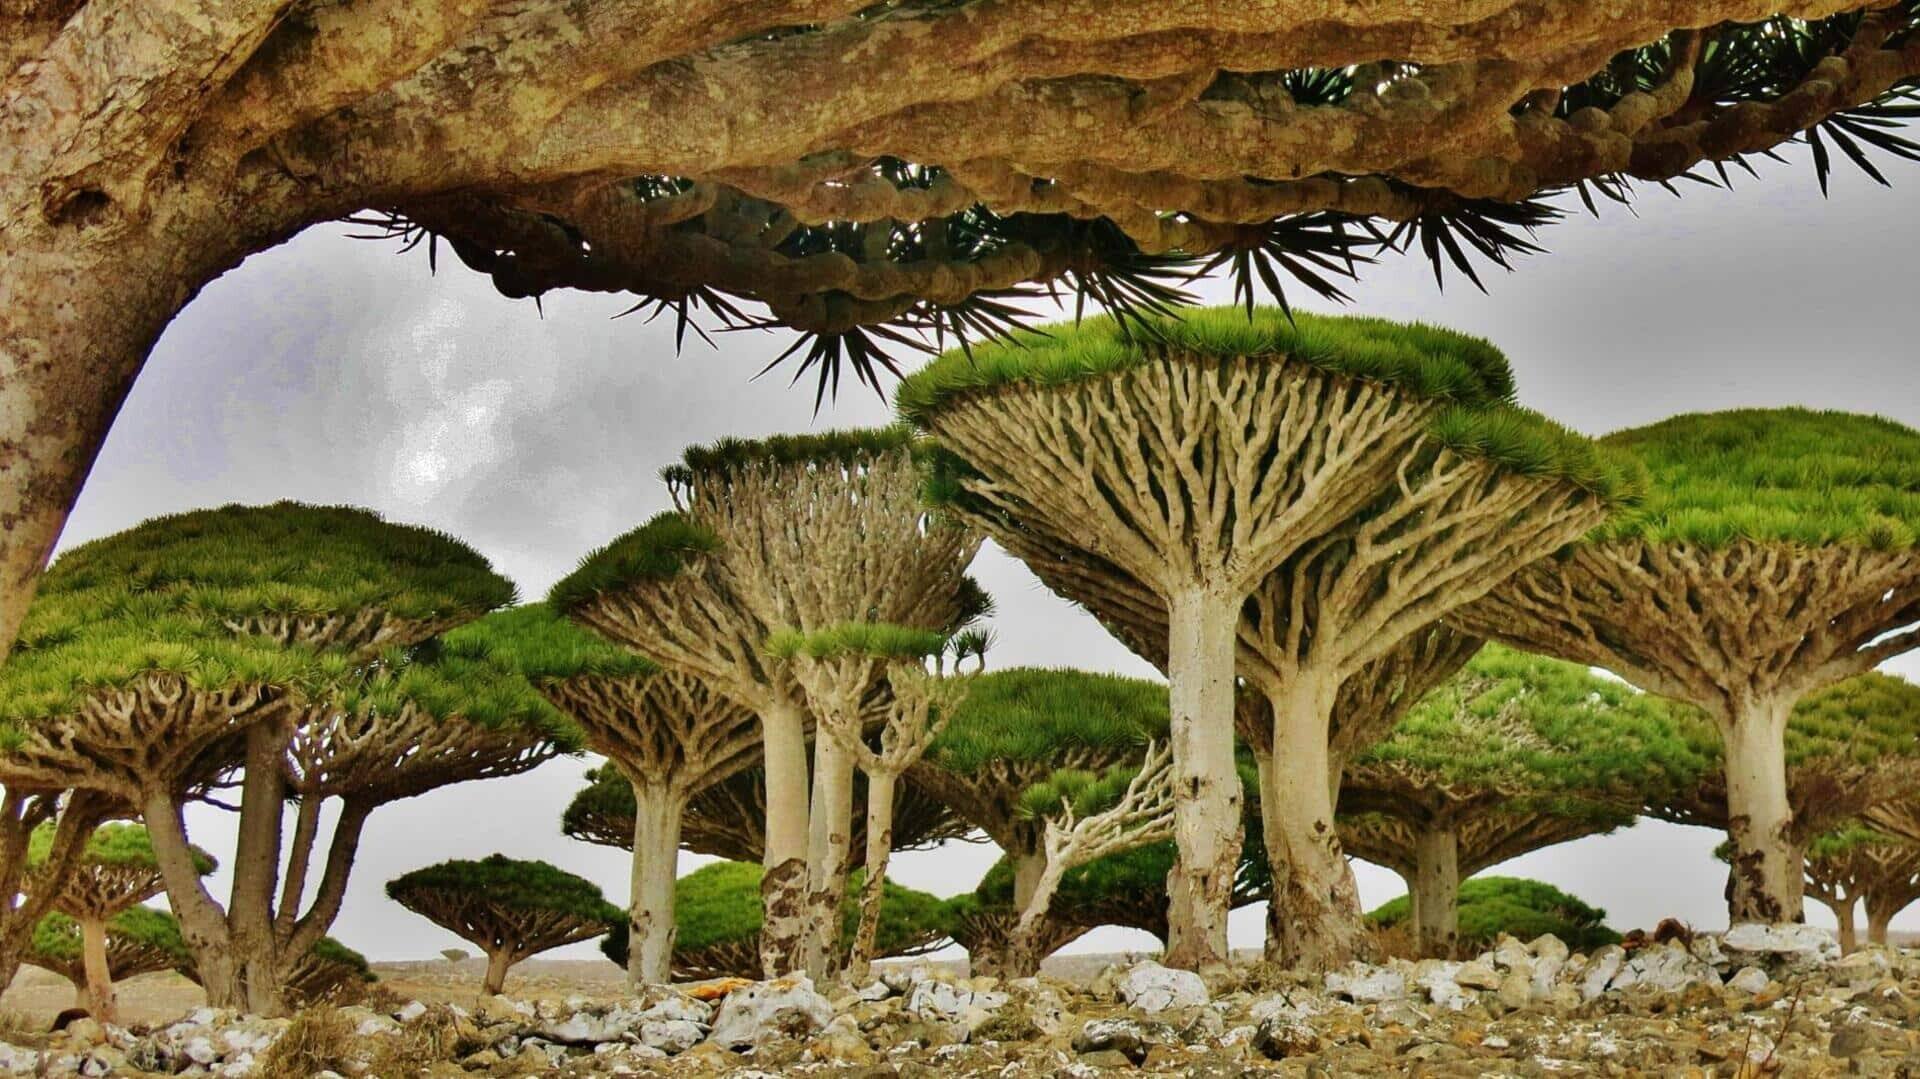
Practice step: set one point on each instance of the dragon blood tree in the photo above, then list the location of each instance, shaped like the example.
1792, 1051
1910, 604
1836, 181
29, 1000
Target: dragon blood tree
668, 735
719, 912
1520, 908
509, 909
1853, 863
1514, 753
728, 819
138, 940
1851, 750
296, 649
862, 171
1777, 554
1381, 467
790, 532
840, 668
116, 872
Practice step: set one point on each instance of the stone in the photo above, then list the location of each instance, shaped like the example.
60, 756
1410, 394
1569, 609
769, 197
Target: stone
1667, 967
1863, 967
1601, 969
1439, 980
200, 1050
86, 1031
15, 1060
1107, 1058
1548, 946
1129, 1037
1283, 1036
1749, 980
1153, 988
1516, 989
1364, 984
1477, 974
784, 1007
671, 1036
1798, 946
410, 1011
877, 990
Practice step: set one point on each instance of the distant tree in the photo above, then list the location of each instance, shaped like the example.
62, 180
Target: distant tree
667, 733
728, 819
842, 667
720, 923
294, 650
1514, 753
1490, 906
117, 871
137, 940
1777, 553
1854, 863
798, 532
509, 909
1381, 469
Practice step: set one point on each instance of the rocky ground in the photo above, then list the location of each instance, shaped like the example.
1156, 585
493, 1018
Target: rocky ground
1752, 1002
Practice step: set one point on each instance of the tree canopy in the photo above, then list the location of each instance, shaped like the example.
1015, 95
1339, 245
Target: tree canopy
507, 884
114, 845
1520, 908
140, 940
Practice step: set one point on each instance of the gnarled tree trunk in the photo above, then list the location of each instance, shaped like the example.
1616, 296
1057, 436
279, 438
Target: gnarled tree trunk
1843, 914
656, 856
783, 884
1314, 916
1207, 825
498, 963
1880, 918
1436, 890
829, 842
873, 890
99, 976
1768, 868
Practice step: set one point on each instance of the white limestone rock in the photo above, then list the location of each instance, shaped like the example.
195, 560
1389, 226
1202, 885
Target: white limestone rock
1365, 984
784, 1007
1153, 988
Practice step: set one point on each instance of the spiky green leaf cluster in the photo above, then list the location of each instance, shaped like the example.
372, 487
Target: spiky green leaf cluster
1490, 906
511, 884
1423, 361
56, 937
879, 640
1843, 841
720, 904
114, 845
1786, 475
1553, 730
655, 551
330, 950
544, 647
1085, 792
844, 448
1032, 714
459, 677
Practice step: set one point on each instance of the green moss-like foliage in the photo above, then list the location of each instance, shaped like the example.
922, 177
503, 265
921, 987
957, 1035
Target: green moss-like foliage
1086, 792
655, 551
1864, 720
460, 675
56, 938
718, 905
1490, 906
881, 640
286, 558
115, 845
508, 884
850, 446
1548, 731
1423, 361
1839, 842
329, 950
1426, 360
1788, 475
1033, 714
542, 646
1127, 889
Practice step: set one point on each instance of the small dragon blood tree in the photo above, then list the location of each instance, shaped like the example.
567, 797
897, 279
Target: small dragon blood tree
1855, 863
295, 651
840, 667
719, 913
1381, 468
509, 909
115, 873
138, 940
1777, 554
668, 734
1520, 908
728, 819
792, 532
1514, 753
1016, 728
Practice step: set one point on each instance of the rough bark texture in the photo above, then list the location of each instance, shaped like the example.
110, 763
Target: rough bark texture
1743, 631
829, 840
1315, 907
1436, 891
656, 859
1207, 823
98, 988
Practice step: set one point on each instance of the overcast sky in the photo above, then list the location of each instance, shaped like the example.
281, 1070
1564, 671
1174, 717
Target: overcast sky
333, 370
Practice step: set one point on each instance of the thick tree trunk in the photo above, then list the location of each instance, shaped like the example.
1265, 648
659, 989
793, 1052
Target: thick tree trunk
203, 925
656, 855
99, 977
1436, 891
783, 885
1843, 914
829, 841
1023, 944
252, 943
1315, 912
1207, 824
1028, 865
498, 964
873, 890
1768, 868
76, 814
1879, 918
